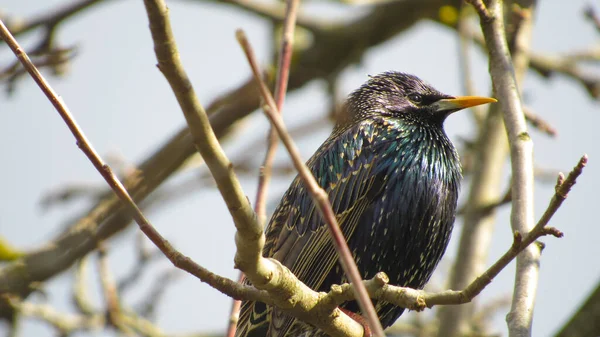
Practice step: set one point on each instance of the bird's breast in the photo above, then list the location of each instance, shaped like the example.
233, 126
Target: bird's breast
407, 227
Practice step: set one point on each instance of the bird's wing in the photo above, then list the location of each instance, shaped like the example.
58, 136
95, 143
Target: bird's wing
347, 168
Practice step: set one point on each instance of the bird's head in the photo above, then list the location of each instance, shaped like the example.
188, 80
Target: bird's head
404, 96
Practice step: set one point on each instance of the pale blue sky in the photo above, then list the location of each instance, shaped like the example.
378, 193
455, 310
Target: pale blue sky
125, 106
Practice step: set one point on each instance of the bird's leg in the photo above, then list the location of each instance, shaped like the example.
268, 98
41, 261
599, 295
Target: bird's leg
361, 320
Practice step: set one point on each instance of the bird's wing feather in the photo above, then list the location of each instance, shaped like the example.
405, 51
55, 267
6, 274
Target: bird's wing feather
347, 168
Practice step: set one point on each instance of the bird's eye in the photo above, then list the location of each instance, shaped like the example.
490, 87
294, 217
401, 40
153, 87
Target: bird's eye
415, 98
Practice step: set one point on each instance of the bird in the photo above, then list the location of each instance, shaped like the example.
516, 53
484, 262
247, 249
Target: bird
392, 176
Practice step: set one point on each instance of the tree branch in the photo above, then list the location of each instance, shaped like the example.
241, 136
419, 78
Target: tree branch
506, 87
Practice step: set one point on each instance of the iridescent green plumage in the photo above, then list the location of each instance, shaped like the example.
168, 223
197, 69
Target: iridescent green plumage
392, 176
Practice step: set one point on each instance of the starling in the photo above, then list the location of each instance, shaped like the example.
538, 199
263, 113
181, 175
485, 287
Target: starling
393, 177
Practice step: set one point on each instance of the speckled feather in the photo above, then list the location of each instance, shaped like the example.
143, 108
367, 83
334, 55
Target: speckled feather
392, 177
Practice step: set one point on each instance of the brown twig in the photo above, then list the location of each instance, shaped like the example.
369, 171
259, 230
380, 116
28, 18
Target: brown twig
109, 290
563, 186
285, 56
464, 62
234, 313
264, 177
590, 14
537, 122
319, 196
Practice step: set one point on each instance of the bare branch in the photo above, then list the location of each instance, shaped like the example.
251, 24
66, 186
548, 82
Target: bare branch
283, 73
537, 122
490, 151
285, 56
464, 62
506, 87
234, 313
110, 292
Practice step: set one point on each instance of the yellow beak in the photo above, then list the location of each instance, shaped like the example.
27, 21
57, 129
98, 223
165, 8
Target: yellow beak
461, 102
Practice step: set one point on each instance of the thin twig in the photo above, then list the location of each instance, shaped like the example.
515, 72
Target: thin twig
285, 56
234, 313
264, 177
464, 63
319, 196
110, 292
537, 122
563, 186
